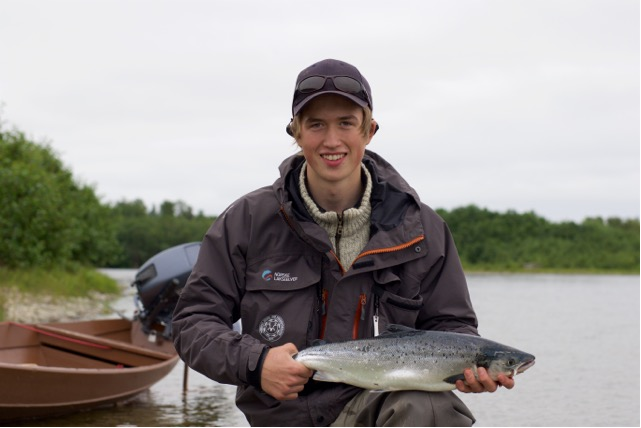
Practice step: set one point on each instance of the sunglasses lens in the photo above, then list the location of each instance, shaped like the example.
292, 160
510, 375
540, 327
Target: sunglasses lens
311, 84
347, 84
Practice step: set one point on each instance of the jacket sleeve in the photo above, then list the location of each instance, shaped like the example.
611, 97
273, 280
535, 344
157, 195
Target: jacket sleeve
209, 304
447, 306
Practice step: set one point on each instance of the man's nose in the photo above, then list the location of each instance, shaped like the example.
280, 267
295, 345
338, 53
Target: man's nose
332, 137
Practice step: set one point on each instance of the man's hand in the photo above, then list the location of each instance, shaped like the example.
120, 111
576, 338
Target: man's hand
484, 383
283, 377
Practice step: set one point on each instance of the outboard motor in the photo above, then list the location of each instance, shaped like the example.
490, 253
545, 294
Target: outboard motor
159, 281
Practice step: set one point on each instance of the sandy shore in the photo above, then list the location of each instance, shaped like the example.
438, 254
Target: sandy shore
30, 308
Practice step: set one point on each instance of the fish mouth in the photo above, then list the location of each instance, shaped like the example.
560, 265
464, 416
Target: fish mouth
523, 367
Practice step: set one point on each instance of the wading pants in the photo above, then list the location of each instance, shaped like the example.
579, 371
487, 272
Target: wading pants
405, 408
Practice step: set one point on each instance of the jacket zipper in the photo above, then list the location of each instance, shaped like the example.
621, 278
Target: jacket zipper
363, 298
360, 315
323, 311
360, 310
339, 234
375, 317
391, 249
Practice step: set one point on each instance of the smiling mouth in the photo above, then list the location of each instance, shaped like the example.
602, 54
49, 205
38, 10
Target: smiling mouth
332, 157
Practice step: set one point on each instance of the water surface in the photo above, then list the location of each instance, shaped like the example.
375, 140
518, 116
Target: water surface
583, 330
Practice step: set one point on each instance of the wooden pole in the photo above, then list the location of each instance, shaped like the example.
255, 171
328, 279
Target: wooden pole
185, 373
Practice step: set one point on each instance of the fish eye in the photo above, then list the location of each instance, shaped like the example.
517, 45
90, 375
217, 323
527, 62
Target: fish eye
511, 362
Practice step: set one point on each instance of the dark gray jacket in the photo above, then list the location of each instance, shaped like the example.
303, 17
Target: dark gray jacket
266, 262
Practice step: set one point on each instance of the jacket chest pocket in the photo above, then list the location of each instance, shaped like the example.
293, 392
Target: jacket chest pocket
396, 301
280, 299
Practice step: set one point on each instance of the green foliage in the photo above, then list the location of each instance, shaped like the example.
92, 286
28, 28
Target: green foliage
46, 218
511, 241
143, 233
58, 282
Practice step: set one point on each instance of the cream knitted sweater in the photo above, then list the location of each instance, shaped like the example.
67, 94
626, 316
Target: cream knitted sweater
350, 230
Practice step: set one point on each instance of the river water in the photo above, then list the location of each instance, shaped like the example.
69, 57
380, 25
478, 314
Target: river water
583, 330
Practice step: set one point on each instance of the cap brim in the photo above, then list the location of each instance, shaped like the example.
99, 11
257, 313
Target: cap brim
304, 102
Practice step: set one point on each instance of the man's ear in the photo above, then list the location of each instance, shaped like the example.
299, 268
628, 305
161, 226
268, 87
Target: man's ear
373, 128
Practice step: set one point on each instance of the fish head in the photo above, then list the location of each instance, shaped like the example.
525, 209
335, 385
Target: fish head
510, 362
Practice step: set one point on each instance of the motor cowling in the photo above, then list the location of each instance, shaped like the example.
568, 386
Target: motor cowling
158, 284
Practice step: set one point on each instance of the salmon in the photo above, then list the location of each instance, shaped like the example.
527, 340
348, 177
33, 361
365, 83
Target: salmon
409, 359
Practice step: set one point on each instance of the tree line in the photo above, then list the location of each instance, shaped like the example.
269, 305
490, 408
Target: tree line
511, 241
47, 218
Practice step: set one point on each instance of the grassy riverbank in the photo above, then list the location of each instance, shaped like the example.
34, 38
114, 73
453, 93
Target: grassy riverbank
53, 287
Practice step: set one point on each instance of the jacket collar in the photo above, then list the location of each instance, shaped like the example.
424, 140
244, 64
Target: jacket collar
391, 196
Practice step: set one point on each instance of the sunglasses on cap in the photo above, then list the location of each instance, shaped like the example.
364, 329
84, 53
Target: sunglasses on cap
345, 84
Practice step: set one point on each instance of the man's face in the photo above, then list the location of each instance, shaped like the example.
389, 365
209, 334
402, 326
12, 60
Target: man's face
332, 141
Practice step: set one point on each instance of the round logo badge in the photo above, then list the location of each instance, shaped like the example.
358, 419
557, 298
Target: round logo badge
272, 328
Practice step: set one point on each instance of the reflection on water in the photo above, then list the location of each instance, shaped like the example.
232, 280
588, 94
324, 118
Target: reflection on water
206, 403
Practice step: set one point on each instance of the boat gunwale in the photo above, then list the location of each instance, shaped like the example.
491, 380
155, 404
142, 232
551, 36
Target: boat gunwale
107, 371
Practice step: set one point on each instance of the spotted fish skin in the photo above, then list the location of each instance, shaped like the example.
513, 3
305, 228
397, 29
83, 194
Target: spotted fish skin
408, 359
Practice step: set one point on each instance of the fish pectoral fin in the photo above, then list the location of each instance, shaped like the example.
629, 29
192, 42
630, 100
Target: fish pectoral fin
325, 377
452, 379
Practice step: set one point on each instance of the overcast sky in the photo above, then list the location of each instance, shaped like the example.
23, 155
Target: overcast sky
521, 105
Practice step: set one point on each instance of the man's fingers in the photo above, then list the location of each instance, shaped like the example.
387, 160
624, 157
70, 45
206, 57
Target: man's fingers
486, 381
505, 381
472, 384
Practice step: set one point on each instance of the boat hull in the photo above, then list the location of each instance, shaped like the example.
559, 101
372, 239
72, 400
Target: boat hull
59, 368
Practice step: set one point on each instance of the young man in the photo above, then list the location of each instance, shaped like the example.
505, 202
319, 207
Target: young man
338, 248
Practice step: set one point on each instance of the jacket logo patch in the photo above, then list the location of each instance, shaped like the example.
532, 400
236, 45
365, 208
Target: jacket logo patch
268, 275
272, 328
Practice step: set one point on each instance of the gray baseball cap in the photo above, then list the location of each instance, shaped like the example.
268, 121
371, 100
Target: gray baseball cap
331, 76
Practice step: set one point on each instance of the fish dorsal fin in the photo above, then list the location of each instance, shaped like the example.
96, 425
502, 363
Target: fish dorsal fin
396, 329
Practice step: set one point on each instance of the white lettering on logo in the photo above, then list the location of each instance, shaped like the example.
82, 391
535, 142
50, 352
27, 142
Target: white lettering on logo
284, 276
